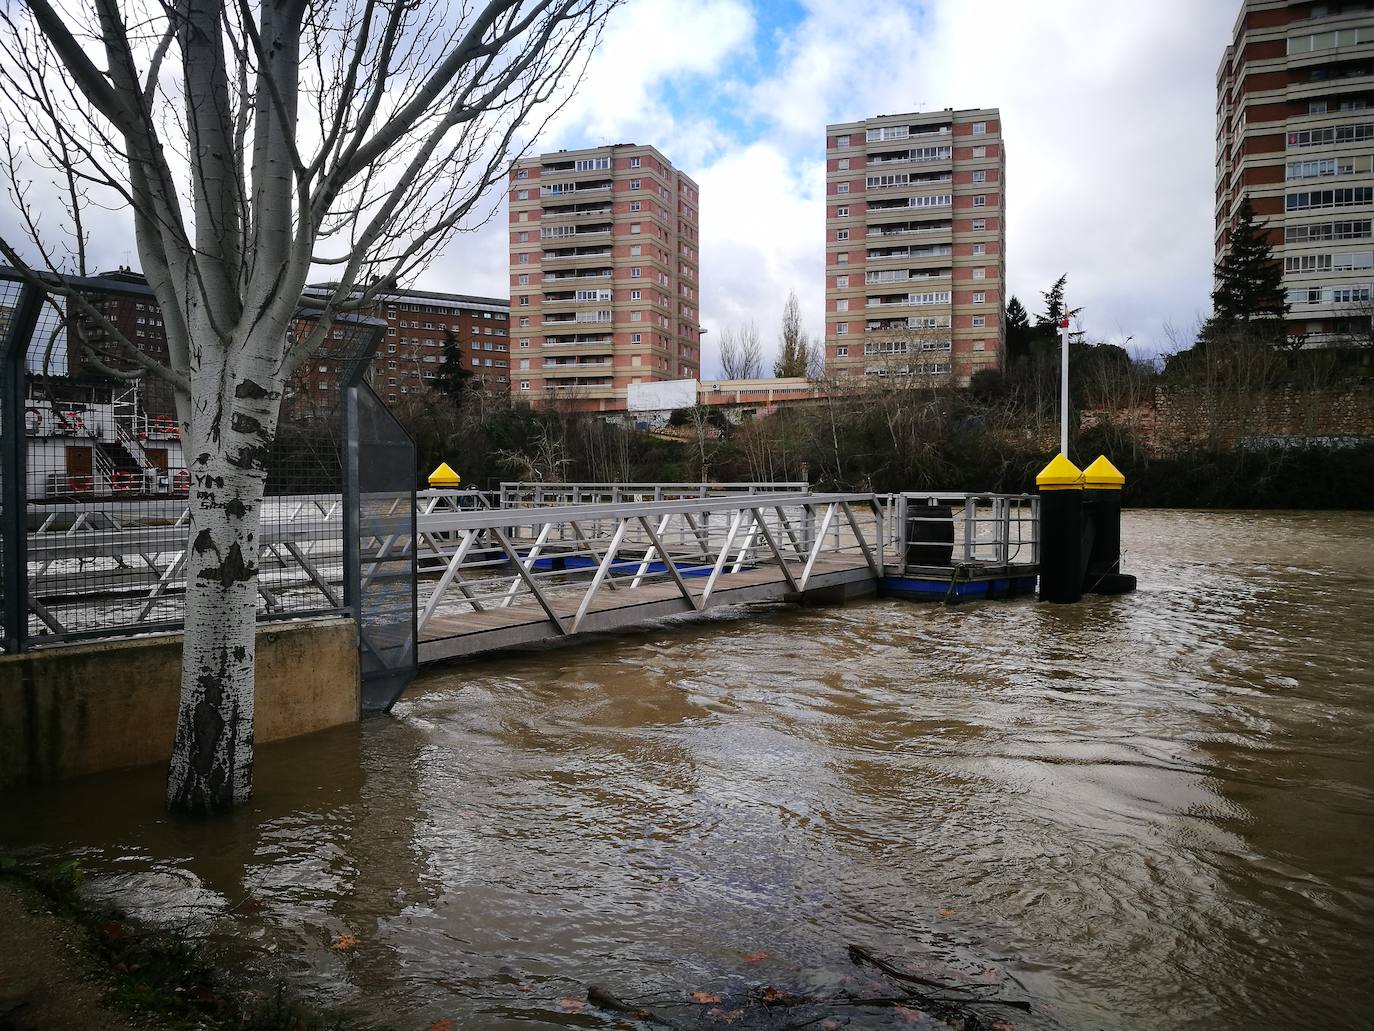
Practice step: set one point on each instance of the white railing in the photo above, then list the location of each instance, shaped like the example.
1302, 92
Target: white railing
556, 562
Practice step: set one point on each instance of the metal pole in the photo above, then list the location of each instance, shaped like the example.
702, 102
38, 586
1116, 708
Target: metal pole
1064, 384
14, 504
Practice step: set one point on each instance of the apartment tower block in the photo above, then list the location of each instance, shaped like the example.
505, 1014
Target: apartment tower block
604, 275
915, 256
1295, 134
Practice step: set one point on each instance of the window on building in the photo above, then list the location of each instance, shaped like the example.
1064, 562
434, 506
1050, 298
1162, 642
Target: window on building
980, 201
841, 141
842, 328
524, 300
842, 304
842, 258
842, 212
841, 281
980, 297
634, 205
979, 321
522, 194
980, 128
523, 279
980, 248
524, 342
980, 273
634, 184
841, 187
980, 176
842, 234
842, 164
635, 272
524, 384
522, 173
634, 295
636, 316
524, 320
636, 338
634, 162
980, 152
980, 225
391, 331
522, 236
980, 345
634, 228
842, 351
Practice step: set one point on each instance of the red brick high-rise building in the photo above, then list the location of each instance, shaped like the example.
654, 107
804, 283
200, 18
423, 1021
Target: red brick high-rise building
1295, 134
604, 273
915, 246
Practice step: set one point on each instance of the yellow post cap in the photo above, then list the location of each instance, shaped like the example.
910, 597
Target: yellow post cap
1060, 474
444, 477
1102, 475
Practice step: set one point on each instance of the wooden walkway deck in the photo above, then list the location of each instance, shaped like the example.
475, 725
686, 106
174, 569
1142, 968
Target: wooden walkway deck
473, 633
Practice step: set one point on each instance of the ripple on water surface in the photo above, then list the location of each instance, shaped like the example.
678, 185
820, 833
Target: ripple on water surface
1149, 811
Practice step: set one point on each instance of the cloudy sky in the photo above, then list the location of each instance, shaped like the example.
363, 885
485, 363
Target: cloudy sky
1107, 111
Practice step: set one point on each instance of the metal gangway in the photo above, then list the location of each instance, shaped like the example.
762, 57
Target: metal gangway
518, 576
526, 564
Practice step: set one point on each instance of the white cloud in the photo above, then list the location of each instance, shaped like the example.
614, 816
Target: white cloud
1108, 117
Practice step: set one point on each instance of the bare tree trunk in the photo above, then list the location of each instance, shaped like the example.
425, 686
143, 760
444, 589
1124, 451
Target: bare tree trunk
229, 442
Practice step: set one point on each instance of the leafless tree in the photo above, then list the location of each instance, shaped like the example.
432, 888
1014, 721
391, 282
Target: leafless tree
254, 141
741, 352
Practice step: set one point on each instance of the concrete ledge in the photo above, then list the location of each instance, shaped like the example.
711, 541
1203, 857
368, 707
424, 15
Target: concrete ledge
71, 710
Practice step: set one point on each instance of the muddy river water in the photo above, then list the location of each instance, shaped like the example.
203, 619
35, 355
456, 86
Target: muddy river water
1153, 811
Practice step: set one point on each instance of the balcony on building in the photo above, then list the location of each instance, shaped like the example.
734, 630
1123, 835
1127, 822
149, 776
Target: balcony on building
576, 254
921, 131
581, 273
910, 156
910, 227
577, 212
905, 275
579, 366
577, 297
570, 317
571, 188
910, 252
568, 232
923, 323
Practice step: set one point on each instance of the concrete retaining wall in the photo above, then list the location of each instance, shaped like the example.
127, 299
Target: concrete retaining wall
78, 709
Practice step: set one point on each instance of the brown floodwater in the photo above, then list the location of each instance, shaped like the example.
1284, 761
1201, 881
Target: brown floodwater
1153, 811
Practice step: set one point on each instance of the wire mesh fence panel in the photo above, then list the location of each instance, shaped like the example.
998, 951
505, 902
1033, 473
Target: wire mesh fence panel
107, 487
385, 479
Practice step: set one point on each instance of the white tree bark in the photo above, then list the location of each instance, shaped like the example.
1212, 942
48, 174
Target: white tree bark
197, 123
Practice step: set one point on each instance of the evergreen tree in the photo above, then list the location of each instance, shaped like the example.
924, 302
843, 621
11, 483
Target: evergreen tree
453, 378
1249, 284
1019, 331
1054, 306
795, 351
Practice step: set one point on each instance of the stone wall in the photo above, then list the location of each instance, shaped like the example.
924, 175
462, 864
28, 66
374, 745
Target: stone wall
1182, 418
71, 710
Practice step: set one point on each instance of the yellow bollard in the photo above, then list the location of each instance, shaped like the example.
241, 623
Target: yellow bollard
444, 477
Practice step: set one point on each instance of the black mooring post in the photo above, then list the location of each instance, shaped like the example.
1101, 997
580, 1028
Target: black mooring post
1060, 485
1103, 483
